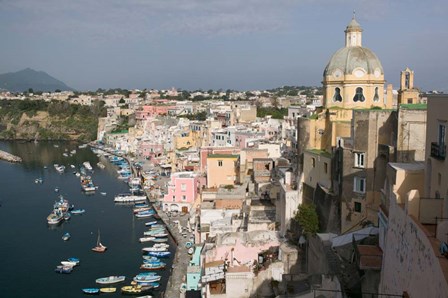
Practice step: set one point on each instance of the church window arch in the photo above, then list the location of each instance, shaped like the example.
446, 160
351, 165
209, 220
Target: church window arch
337, 94
359, 96
376, 97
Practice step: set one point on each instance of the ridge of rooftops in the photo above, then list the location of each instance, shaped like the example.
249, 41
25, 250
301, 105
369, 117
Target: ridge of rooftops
222, 156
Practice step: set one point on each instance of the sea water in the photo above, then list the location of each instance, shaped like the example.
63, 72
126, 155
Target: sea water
30, 249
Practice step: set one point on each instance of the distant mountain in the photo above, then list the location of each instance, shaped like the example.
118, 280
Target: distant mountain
29, 78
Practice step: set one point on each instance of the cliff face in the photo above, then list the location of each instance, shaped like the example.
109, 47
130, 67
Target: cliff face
43, 127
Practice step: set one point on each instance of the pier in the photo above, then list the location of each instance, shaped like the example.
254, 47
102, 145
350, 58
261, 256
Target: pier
9, 157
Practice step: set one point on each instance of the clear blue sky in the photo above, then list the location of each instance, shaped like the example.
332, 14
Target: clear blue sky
211, 44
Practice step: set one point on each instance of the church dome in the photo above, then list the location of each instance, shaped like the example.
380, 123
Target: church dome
349, 59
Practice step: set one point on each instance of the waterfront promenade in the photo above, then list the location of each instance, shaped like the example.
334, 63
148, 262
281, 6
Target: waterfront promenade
178, 272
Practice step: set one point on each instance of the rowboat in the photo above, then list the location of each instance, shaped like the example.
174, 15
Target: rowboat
108, 290
69, 264
146, 239
91, 291
153, 266
78, 211
110, 280
133, 290
159, 240
63, 269
66, 236
151, 223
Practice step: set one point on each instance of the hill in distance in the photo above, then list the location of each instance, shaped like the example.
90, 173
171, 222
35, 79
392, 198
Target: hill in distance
23, 80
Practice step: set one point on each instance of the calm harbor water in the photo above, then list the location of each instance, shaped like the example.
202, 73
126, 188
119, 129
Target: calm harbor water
30, 249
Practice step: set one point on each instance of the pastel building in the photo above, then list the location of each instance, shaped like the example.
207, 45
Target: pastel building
182, 192
221, 170
152, 110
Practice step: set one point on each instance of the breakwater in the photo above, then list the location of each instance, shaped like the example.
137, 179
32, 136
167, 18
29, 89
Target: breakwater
9, 157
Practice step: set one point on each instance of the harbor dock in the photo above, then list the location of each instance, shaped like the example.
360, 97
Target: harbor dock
9, 157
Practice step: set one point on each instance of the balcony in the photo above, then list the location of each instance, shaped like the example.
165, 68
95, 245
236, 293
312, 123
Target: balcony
438, 150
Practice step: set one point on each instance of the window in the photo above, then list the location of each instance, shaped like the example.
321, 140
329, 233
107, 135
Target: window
439, 179
359, 96
219, 163
359, 184
183, 187
325, 167
174, 198
409, 100
313, 162
441, 134
358, 207
184, 198
337, 95
360, 159
376, 97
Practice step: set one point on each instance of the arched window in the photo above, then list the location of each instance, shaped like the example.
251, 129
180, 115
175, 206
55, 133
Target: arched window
376, 97
337, 95
359, 96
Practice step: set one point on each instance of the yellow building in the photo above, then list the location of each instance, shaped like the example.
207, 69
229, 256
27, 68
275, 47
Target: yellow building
222, 170
183, 140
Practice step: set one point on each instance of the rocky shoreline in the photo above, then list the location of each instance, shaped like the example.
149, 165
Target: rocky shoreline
9, 157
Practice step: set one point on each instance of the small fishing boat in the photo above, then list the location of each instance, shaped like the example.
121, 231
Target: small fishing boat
146, 239
69, 264
64, 269
155, 249
110, 280
151, 259
103, 193
153, 266
87, 165
147, 277
100, 165
151, 223
91, 291
78, 211
72, 166
134, 290
108, 290
66, 236
159, 254
144, 214
99, 246
39, 180
160, 240
67, 216
55, 218
74, 260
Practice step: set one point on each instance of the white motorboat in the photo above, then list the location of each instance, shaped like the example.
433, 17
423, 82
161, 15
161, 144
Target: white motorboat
110, 280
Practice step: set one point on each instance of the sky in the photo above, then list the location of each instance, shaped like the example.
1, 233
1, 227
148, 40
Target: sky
217, 44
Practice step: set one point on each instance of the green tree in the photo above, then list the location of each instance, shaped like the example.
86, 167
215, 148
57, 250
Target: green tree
306, 216
121, 101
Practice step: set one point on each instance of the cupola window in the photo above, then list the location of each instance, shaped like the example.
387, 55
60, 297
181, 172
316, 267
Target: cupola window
359, 96
337, 95
376, 97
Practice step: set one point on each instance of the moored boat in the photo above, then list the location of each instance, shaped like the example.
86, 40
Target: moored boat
135, 290
66, 236
153, 266
91, 291
160, 240
159, 254
64, 269
69, 263
108, 290
78, 211
99, 246
55, 218
110, 279
146, 239
151, 223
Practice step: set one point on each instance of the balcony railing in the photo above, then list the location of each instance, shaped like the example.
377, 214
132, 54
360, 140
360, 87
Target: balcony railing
438, 151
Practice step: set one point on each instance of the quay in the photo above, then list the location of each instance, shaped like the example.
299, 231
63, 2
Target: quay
9, 157
178, 272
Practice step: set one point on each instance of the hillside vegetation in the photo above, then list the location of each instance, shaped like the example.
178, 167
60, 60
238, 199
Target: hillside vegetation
55, 120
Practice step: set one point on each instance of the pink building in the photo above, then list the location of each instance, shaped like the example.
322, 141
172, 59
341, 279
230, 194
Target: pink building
150, 150
182, 192
147, 111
